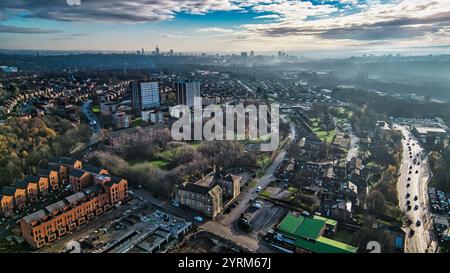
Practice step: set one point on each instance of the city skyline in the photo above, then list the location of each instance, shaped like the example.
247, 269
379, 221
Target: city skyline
327, 26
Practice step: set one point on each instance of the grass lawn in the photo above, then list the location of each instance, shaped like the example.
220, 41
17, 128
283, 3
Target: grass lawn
161, 164
262, 160
326, 136
266, 194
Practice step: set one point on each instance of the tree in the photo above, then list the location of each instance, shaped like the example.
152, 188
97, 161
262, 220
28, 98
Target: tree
376, 202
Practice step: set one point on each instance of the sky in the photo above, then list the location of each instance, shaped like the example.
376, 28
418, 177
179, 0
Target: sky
227, 25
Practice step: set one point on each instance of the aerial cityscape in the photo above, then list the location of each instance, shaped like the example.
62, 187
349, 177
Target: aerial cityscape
225, 126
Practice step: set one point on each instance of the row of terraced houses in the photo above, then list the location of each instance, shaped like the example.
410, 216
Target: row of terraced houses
94, 190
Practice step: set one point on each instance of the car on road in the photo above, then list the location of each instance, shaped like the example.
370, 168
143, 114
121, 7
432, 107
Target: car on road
410, 167
418, 163
258, 189
409, 172
411, 233
198, 219
407, 185
418, 223
417, 171
257, 205
409, 179
407, 195
416, 198
408, 208
408, 202
416, 207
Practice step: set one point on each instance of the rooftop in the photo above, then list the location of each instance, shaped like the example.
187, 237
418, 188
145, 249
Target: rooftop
307, 233
426, 130
35, 216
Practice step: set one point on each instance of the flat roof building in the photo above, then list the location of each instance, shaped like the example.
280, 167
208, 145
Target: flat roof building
306, 234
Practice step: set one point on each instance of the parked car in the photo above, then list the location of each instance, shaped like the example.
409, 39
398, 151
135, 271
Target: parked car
198, 219
258, 189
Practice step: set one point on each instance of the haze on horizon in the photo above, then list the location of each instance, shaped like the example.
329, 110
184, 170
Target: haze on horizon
315, 26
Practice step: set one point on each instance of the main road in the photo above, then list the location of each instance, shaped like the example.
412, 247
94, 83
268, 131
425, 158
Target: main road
412, 194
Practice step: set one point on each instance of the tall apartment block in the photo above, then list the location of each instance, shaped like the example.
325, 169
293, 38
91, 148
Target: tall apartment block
144, 95
186, 91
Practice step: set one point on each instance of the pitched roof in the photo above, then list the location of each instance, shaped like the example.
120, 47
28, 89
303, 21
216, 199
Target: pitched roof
114, 180
9, 191
44, 172
32, 179
75, 198
56, 206
195, 188
92, 169
63, 160
21, 184
35, 216
77, 173
96, 188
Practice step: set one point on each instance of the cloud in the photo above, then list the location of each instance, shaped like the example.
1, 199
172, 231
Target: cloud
25, 30
268, 16
73, 2
131, 11
215, 30
402, 19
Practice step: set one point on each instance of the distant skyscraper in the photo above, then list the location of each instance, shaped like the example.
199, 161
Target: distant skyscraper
143, 51
157, 50
144, 95
186, 91
252, 53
